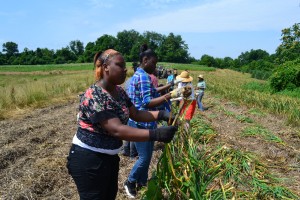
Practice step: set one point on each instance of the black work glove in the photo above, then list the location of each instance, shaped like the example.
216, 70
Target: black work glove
162, 134
164, 115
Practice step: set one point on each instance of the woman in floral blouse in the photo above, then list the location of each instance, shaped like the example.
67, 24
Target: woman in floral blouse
104, 110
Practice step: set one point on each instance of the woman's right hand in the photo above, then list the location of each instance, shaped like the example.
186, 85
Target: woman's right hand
162, 134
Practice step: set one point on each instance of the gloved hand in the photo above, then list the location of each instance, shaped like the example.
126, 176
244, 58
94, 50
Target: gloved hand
162, 134
165, 115
176, 92
181, 92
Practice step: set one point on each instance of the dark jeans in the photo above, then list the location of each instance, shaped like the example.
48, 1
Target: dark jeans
95, 174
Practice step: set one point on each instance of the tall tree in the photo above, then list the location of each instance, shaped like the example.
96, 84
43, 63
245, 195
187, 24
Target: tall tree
76, 47
64, 55
289, 49
10, 48
153, 39
207, 60
126, 41
28, 57
89, 52
174, 49
252, 55
106, 42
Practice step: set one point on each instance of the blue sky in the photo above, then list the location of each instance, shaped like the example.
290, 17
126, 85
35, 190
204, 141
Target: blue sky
218, 28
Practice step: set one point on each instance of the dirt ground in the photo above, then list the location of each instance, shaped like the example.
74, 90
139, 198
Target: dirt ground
34, 148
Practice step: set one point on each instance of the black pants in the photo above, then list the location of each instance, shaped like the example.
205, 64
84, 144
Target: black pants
95, 174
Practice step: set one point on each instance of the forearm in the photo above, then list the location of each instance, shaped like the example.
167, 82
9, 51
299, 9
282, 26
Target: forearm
159, 100
146, 116
162, 88
128, 133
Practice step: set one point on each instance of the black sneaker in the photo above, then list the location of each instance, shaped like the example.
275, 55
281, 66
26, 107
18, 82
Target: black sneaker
125, 154
130, 189
140, 186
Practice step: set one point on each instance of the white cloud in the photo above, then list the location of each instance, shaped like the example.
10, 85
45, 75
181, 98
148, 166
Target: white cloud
223, 15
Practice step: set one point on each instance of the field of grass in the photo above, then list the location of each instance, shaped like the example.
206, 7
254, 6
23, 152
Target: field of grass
24, 86
228, 154
46, 68
230, 85
190, 67
19, 91
42, 83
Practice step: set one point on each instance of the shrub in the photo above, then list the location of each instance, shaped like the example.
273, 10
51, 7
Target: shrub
286, 76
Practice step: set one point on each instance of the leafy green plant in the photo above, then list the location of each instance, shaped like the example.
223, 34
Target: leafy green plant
243, 118
257, 112
192, 167
261, 132
286, 76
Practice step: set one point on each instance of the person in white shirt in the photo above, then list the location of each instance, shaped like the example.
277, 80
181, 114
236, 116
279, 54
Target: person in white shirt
201, 86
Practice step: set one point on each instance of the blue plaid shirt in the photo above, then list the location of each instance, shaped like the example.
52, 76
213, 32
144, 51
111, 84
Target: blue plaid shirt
141, 91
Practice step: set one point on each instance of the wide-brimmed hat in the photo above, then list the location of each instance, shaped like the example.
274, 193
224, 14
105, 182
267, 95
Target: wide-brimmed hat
184, 77
201, 76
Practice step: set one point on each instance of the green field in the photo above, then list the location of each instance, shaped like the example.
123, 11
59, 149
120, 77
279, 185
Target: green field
26, 86
225, 154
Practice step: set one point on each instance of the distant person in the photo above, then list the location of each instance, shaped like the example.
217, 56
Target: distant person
175, 72
104, 110
189, 104
170, 78
154, 79
201, 86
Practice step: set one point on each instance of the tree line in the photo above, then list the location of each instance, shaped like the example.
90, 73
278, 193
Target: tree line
171, 48
282, 68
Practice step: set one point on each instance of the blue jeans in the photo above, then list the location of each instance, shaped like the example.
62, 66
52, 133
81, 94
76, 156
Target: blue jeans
139, 172
199, 101
129, 149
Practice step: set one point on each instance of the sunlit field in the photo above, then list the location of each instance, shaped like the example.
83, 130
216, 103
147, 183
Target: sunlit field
23, 86
244, 146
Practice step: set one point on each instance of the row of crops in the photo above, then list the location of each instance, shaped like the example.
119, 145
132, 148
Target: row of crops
196, 166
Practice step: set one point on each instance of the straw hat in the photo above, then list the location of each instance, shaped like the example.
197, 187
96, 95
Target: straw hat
185, 77
201, 76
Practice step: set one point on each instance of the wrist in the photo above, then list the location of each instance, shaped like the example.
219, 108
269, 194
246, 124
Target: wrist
167, 96
152, 135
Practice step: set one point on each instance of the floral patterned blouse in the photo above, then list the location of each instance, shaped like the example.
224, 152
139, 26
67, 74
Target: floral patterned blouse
95, 106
